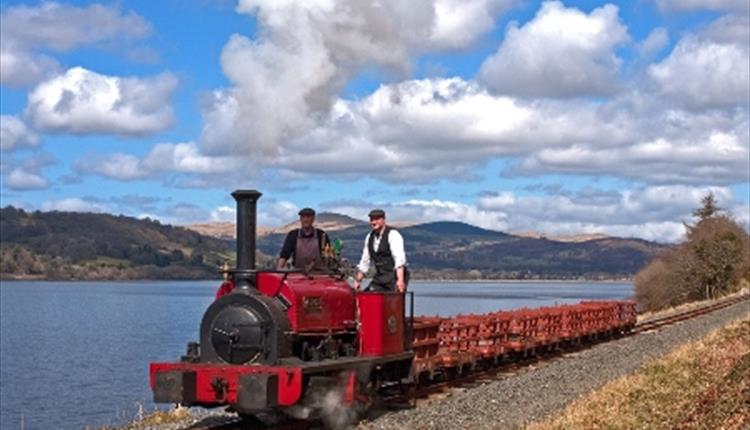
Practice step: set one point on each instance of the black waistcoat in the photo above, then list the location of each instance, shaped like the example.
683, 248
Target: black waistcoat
382, 258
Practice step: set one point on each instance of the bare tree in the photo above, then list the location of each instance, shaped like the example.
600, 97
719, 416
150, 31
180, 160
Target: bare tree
710, 262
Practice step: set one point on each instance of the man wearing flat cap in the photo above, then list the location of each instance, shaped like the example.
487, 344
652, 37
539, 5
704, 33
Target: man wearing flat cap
305, 244
384, 248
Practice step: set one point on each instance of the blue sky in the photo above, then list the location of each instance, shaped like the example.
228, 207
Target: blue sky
557, 117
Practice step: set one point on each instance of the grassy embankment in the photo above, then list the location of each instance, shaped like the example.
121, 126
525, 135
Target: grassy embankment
701, 385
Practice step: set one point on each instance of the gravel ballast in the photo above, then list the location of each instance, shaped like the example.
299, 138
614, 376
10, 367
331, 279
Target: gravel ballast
538, 392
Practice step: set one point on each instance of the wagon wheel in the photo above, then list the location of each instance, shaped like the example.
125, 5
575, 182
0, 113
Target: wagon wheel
409, 392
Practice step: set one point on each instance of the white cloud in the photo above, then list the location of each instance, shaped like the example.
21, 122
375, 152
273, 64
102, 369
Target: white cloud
561, 52
73, 204
419, 131
656, 40
163, 158
692, 5
85, 102
280, 121
223, 214
271, 213
424, 130
652, 213
706, 156
275, 213
62, 27
728, 29
20, 68
15, 134
21, 180
120, 166
458, 23
184, 158
50, 26
704, 73
272, 101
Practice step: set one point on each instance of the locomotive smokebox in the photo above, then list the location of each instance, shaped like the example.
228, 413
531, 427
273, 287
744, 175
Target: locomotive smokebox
246, 225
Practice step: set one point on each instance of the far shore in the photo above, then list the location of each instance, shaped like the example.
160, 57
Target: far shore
444, 281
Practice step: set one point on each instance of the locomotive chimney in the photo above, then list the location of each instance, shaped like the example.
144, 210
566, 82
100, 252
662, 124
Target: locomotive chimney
246, 223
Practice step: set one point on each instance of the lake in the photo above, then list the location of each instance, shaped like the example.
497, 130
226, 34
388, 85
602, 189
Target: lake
76, 354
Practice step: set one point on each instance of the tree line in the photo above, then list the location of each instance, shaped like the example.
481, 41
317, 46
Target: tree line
712, 260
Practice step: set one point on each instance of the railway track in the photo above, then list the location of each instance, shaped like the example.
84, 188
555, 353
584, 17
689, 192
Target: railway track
512, 367
691, 313
414, 395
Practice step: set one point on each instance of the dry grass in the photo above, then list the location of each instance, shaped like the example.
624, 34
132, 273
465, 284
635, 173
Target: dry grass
702, 385
158, 417
743, 288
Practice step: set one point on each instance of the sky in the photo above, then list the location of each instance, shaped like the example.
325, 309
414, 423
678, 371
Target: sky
555, 117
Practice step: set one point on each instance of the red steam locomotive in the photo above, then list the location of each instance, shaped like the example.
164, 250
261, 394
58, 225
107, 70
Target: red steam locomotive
272, 341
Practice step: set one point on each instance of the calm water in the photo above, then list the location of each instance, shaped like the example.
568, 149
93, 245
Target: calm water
76, 354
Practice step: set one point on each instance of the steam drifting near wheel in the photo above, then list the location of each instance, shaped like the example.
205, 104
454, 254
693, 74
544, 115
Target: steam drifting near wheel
272, 341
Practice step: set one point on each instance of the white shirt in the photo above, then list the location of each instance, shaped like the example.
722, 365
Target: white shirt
395, 240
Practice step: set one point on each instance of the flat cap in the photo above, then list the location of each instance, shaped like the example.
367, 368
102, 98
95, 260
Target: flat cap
377, 213
306, 211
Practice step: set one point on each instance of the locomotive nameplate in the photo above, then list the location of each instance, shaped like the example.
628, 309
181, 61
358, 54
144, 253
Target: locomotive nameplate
312, 304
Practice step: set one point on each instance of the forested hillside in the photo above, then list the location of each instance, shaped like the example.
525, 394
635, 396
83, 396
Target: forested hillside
71, 245
455, 250
68, 245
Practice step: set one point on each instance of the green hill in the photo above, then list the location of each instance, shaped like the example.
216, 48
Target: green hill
71, 245
455, 250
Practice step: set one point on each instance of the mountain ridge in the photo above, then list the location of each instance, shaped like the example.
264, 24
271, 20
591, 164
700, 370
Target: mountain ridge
70, 245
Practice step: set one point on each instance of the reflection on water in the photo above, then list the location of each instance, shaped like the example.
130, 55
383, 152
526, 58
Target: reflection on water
76, 354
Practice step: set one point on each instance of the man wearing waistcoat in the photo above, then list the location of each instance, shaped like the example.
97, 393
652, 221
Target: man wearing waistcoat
305, 244
384, 248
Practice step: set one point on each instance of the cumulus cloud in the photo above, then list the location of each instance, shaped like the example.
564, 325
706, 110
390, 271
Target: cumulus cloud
281, 121
15, 134
707, 157
562, 52
25, 174
272, 101
73, 204
25, 31
458, 23
85, 102
423, 130
710, 69
163, 158
271, 213
431, 128
20, 68
21, 180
